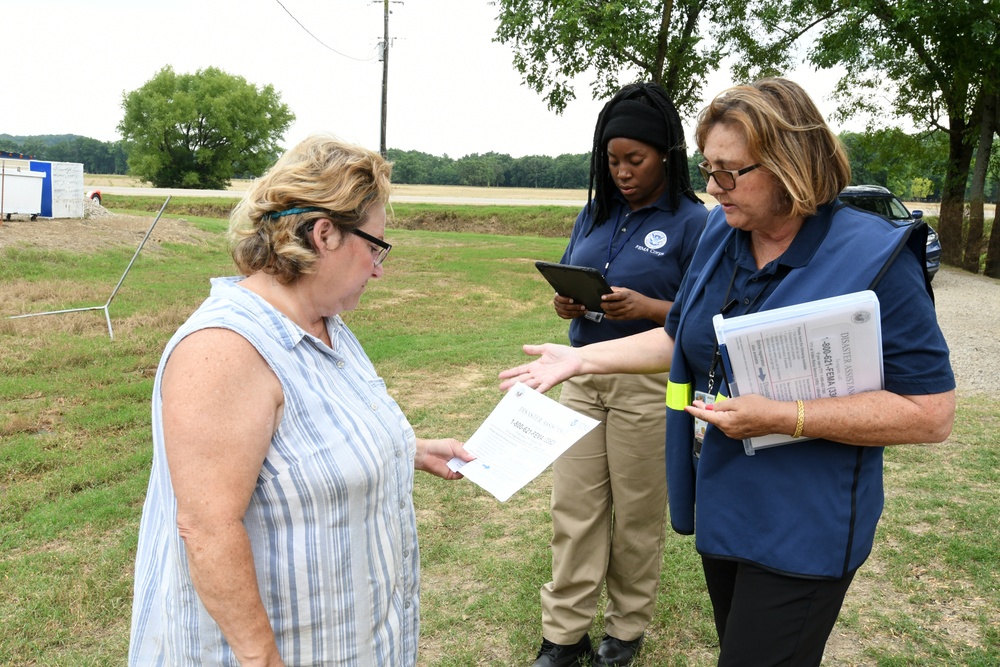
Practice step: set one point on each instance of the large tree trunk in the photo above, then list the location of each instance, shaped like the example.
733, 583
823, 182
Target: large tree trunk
992, 268
974, 241
953, 192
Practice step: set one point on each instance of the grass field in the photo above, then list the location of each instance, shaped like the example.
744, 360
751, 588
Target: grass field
450, 312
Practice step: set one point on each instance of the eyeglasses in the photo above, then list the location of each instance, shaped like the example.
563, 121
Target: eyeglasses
724, 178
379, 247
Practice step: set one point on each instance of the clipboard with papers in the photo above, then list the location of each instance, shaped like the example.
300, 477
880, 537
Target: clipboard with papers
818, 349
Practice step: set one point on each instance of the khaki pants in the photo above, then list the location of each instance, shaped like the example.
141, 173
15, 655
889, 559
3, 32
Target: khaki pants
609, 498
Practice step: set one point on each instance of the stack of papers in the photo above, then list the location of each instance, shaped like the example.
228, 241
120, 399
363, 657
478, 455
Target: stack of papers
819, 349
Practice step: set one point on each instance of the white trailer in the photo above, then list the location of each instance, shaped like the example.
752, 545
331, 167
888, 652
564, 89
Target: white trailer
20, 191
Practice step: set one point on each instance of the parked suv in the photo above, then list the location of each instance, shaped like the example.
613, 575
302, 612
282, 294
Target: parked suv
879, 200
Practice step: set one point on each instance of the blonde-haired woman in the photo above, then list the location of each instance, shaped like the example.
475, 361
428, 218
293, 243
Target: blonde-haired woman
278, 526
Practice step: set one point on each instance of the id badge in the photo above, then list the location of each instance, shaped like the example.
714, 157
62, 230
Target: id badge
700, 424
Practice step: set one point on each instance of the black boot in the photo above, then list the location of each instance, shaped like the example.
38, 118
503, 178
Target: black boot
563, 655
613, 652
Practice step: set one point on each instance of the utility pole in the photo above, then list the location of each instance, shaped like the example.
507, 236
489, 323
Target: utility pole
385, 77
384, 57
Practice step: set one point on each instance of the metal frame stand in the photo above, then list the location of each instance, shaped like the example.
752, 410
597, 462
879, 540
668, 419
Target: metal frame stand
107, 315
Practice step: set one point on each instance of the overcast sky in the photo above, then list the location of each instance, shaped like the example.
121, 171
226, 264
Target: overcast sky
452, 90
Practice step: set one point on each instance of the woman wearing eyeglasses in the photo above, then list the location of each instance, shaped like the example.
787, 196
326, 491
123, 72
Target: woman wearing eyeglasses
781, 533
279, 526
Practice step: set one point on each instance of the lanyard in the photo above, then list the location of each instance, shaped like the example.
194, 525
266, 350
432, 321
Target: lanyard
727, 305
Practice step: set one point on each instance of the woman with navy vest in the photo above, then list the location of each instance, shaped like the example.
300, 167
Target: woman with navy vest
639, 228
781, 533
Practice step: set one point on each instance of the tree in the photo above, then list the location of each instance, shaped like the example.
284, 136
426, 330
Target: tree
992, 268
444, 172
911, 165
97, 157
940, 56
921, 188
935, 62
410, 166
198, 130
531, 171
620, 40
974, 242
571, 170
487, 170
698, 183
888, 157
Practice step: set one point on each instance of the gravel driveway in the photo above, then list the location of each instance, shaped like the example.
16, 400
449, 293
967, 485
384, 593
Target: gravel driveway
968, 309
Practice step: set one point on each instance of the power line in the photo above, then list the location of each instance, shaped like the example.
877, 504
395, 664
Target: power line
327, 46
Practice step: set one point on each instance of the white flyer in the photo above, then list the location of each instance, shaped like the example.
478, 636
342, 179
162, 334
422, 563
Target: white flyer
523, 435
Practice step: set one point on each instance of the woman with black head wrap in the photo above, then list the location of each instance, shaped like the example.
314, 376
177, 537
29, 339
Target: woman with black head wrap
639, 228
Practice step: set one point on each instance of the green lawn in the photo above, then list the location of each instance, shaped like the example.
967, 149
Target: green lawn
450, 312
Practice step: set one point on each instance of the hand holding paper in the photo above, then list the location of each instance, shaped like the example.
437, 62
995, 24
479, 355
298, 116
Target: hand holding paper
523, 435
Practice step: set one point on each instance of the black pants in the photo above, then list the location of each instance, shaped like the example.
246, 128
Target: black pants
771, 620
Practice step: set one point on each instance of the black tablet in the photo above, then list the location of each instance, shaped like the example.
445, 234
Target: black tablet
583, 284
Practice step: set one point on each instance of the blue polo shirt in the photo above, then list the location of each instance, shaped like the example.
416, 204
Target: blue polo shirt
647, 250
806, 509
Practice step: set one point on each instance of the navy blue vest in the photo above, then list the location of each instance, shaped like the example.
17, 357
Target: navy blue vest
808, 509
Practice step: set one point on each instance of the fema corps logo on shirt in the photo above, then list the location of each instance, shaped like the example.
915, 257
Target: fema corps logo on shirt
655, 240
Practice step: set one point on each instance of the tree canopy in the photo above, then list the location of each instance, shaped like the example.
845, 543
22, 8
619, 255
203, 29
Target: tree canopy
200, 130
556, 40
937, 64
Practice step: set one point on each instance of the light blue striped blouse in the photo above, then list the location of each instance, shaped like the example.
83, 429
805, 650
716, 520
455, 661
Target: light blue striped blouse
331, 521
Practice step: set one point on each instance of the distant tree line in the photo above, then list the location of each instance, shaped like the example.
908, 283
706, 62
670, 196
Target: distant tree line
911, 166
490, 170
97, 157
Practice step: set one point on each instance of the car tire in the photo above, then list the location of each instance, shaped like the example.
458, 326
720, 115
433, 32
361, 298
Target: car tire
96, 197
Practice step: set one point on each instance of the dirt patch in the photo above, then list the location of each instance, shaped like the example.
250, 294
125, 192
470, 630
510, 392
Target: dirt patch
99, 229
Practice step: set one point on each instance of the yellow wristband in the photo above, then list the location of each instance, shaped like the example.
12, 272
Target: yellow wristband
801, 421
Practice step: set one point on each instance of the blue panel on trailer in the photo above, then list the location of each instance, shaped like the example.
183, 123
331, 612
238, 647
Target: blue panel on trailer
45, 168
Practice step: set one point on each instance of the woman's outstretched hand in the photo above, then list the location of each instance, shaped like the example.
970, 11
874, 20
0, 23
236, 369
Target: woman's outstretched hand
555, 363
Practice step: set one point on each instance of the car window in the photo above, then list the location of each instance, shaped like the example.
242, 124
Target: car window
873, 204
897, 211
888, 207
